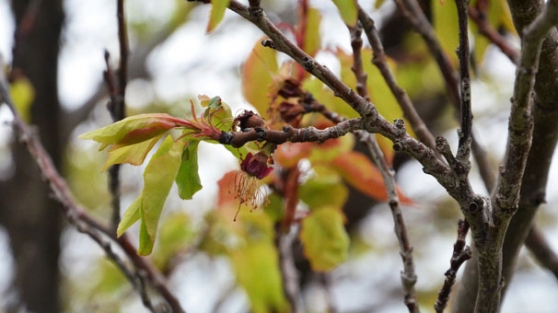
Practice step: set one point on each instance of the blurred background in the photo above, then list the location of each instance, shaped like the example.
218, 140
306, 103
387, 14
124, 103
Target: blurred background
52, 268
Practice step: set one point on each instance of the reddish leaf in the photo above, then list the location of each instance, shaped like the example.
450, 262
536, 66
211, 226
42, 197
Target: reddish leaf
358, 170
288, 154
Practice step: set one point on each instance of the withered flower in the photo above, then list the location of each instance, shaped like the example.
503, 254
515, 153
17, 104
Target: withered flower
248, 181
291, 113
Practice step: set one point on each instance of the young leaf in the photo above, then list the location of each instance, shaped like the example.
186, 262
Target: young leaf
158, 178
130, 217
188, 178
257, 76
312, 39
358, 170
134, 129
324, 239
132, 154
348, 10
217, 13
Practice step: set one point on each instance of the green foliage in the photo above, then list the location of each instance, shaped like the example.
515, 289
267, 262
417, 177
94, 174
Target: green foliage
312, 39
324, 239
188, 178
158, 178
348, 10
23, 95
258, 74
323, 191
133, 129
218, 9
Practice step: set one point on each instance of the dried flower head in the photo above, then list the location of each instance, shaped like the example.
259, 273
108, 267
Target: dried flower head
248, 181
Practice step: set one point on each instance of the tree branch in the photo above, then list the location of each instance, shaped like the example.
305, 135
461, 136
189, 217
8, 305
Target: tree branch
461, 253
76, 215
403, 99
541, 250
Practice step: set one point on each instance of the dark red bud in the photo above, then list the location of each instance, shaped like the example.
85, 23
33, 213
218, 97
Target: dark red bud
249, 119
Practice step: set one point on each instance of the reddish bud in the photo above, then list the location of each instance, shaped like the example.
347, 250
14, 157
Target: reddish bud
249, 119
290, 113
290, 89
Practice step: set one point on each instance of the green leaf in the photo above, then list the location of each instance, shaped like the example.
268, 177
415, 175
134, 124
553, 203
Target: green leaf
446, 27
188, 178
312, 37
257, 77
257, 270
348, 10
131, 216
324, 239
134, 129
217, 13
132, 154
158, 178
323, 191
218, 113
23, 95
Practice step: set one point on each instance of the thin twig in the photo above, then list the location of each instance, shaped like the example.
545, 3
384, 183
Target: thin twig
414, 14
408, 275
479, 16
117, 105
403, 99
461, 253
75, 214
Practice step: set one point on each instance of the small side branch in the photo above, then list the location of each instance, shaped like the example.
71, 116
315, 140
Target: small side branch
461, 253
310, 134
408, 275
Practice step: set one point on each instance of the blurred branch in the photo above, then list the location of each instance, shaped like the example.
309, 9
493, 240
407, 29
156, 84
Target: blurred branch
76, 215
412, 11
479, 15
541, 250
289, 274
117, 105
326, 284
461, 253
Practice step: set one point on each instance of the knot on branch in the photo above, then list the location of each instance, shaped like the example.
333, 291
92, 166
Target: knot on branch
269, 44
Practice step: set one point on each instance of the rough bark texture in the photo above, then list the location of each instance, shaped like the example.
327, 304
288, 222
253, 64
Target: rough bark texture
27, 211
545, 136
